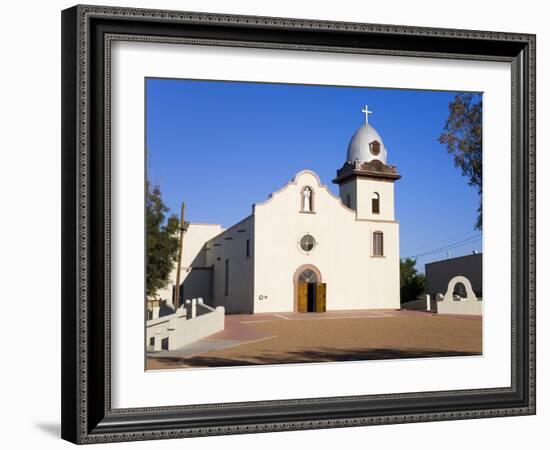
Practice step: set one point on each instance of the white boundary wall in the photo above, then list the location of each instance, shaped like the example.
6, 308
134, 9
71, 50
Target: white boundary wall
453, 304
461, 306
184, 326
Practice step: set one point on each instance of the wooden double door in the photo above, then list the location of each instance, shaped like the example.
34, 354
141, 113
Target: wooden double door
312, 297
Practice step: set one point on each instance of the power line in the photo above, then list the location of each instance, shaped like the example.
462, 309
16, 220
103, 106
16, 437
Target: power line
429, 244
450, 246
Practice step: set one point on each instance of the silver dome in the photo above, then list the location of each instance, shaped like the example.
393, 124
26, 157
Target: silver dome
360, 145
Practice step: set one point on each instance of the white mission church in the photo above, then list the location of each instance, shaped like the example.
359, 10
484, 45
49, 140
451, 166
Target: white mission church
305, 249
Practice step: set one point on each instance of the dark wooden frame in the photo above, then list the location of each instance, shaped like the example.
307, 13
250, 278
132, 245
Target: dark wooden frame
87, 416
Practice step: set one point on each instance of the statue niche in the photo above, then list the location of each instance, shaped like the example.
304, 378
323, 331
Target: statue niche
307, 200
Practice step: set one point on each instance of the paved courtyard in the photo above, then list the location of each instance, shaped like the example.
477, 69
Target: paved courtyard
281, 338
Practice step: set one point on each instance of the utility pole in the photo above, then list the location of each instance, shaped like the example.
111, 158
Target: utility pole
180, 252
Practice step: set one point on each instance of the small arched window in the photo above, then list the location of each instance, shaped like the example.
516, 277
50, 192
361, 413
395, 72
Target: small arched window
378, 243
307, 200
348, 201
375, 203
308, 276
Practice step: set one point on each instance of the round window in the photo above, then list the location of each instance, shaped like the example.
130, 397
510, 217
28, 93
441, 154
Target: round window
307, 243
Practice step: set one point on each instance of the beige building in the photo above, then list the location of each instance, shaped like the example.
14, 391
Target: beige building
305, 249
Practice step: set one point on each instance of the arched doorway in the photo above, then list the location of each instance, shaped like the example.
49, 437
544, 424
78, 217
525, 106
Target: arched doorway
310, 293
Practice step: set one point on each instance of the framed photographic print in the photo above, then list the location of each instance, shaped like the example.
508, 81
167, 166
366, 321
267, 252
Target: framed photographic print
267, 222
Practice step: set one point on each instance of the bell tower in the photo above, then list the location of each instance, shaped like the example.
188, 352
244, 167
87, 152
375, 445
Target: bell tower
366, 181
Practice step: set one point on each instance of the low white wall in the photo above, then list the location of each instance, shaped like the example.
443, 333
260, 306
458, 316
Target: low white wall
463, 306
191, 322
454, 304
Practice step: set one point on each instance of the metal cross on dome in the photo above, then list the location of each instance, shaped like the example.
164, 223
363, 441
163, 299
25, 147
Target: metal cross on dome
367, 112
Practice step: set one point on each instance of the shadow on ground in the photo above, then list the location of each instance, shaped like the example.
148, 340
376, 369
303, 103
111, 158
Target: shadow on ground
321, 354
53, 429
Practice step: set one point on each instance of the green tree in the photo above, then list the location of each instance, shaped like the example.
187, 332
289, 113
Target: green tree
411, 283
462, 137
162, 241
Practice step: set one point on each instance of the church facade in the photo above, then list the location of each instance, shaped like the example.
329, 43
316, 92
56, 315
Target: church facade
305, 249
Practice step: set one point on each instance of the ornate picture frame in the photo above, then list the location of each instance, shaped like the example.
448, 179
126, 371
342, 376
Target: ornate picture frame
87, 35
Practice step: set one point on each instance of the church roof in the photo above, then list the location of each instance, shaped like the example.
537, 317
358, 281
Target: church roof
366, 145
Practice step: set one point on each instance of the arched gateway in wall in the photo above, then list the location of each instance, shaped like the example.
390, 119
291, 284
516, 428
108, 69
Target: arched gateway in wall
310, 293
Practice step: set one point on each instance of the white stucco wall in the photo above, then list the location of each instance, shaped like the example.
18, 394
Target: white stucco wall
193, 241
343, 255
231, 245
197, 282
361, 190
348, 194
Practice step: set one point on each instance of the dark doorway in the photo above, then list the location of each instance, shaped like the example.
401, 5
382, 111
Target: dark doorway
311, 295
311, 291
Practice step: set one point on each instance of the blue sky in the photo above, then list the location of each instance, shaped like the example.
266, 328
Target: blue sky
222, 146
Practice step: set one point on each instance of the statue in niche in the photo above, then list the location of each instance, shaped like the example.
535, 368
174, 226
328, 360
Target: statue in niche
307, 200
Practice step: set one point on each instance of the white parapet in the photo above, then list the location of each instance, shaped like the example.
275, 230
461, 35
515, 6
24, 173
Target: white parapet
454, 304
182, 328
